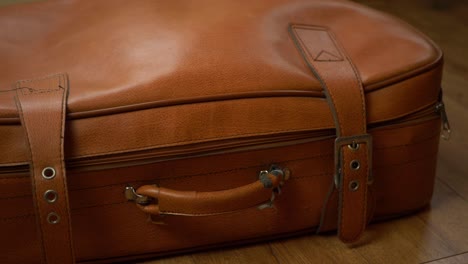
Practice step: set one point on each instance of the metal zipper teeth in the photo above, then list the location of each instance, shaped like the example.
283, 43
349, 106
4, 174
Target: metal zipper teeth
226, 146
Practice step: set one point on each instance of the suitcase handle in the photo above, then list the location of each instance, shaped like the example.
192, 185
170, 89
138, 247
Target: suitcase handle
163, 201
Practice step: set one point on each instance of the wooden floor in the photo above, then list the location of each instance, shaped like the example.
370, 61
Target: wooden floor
436, 236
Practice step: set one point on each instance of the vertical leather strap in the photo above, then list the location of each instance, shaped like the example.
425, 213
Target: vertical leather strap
42, 104
343, 88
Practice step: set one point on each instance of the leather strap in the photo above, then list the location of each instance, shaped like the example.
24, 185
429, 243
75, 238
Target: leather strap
343, 88
42, 104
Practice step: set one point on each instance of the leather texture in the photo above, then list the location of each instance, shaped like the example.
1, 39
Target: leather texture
187, 102
343, 87
42, 105
193, 203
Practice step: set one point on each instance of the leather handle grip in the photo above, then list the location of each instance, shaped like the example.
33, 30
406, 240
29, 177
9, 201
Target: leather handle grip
192, 203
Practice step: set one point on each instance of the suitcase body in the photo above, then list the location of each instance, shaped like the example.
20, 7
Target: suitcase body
175, 126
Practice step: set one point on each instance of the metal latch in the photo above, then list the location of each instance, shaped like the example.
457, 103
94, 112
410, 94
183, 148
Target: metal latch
131, 195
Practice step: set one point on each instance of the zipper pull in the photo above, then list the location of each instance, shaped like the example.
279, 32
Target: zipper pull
440, 108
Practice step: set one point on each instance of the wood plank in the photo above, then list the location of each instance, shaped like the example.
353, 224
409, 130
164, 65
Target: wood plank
457, 259
405, 240
448, 217
315, 249
260, 253
174, 260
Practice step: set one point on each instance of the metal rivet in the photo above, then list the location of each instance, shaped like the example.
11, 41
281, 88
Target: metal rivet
354, 185
355, 165
48, 173
53, 218
50, 196
353, 146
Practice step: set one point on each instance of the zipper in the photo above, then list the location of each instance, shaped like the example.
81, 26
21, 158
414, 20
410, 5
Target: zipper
446, 132
233, 145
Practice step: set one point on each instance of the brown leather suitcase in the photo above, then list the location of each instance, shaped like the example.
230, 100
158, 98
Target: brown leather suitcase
135, 129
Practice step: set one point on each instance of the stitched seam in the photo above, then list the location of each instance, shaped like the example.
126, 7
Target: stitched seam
308, 51
243, 168
37, 91
364, 199
203, 174
195, 141
356, 80
62, 164
57, 178
15, 197
31, 91
331, 91
75, 209
99, 205
293, 178
363, 105
412, 143
341, 204
324, 83
380, 148
363, 217
249, 167
33, 176
317, 28
191, 175
428, 156
310, 176
38, 79
344, 206
200, 140
16, 217
14, 178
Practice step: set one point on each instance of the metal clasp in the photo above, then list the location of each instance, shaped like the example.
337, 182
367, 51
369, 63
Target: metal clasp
284, 173
131, 195
352, 142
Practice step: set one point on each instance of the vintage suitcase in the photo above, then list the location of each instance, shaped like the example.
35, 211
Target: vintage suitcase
131, 129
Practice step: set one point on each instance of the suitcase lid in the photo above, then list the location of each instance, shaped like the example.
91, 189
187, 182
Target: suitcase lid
126, 56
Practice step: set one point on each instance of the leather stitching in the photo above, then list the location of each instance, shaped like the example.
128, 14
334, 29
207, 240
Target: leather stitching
363, 202
6, 219
202, 140
33, 173
356, 80
177, 143
339, 57
237, 169
52, 81
361, 92
217, 172
431, 156
62, 162
33, 90
344, 154
329, 95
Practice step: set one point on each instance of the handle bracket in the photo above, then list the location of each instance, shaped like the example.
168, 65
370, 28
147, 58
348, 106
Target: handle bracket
132, 195
162, 201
